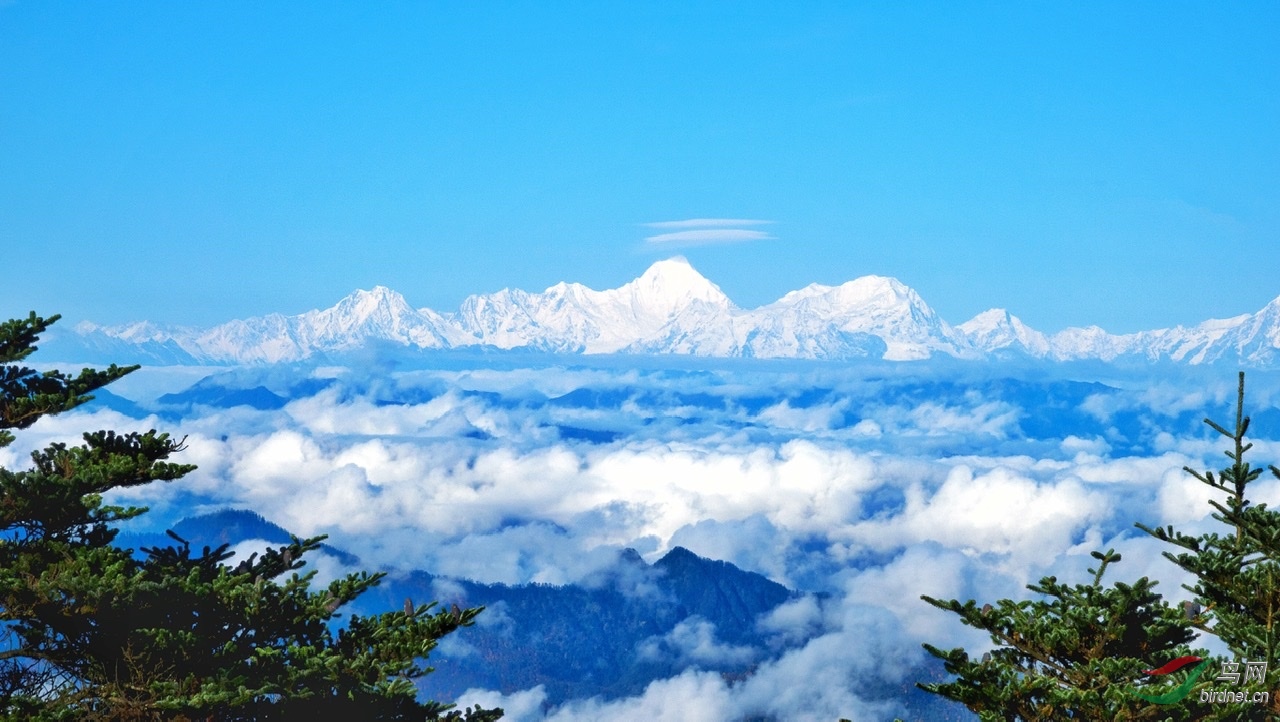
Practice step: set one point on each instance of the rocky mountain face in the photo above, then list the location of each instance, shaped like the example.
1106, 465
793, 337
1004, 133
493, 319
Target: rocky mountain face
673, 309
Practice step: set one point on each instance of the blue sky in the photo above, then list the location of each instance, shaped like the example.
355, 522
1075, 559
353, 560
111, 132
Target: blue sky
1114, 164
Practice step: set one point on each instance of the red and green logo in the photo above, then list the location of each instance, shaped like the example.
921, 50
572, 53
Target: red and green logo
1181, 691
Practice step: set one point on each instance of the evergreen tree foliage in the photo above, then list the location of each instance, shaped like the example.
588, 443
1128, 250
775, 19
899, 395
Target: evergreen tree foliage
1084, 651
89, 631
1237, 587
1069, 654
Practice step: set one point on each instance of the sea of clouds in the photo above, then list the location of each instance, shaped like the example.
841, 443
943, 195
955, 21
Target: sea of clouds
871, 484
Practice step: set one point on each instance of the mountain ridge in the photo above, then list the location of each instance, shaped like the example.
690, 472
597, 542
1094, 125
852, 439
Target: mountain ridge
673, 309
580, 639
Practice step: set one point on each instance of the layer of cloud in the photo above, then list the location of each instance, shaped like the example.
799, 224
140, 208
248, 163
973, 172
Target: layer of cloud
873, 489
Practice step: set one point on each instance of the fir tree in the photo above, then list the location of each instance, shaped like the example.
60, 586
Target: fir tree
1237, 587
92, 631
1062, 658
1074, 653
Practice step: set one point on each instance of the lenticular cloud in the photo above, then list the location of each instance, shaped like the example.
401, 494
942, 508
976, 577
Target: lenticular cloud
865, 490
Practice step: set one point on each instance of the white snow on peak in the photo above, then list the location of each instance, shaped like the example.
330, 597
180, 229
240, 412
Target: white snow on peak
988, 321
572, 317
673, 309
810, 291
996, 330
137, 332
862, 291
379, 301
878, 306
670, 285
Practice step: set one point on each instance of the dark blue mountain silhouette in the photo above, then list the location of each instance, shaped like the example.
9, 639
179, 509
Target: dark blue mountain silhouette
218, 396
607, 636
103, 398
583, 640
577, 640
228, 526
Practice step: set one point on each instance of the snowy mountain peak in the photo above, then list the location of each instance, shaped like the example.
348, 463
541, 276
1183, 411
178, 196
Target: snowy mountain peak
861, 291
879, 290
136, 332
793, 297
997, 330
376, 297
673, 309
379, 304
1272, 309
673, 284
990, 319
994, 324
572, 317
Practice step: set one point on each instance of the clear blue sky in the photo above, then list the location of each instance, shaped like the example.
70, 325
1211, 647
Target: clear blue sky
1077, 163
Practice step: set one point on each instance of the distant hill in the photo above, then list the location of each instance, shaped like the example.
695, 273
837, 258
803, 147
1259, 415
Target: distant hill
610, 636
609, 639
228, 526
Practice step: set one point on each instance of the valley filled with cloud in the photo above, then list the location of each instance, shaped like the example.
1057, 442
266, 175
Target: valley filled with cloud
858, 487
693, 345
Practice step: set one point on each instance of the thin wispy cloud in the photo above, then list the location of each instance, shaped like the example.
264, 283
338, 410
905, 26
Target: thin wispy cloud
709, 235
703, 231
709, 223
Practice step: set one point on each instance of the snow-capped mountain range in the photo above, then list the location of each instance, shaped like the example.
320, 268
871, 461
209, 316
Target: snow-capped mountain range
673, 309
